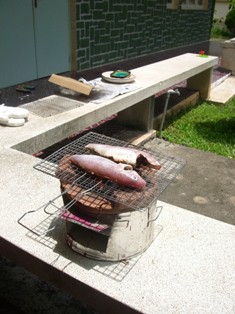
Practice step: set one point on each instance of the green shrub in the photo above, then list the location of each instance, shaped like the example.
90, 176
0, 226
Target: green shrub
230, 21
218, 32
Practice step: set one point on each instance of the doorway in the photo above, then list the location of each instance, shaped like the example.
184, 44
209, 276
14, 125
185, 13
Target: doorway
35, 39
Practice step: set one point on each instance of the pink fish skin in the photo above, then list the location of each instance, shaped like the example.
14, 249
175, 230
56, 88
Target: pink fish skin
127, 155
104, 168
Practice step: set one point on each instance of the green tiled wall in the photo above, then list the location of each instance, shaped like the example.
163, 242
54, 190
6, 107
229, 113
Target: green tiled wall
111, 31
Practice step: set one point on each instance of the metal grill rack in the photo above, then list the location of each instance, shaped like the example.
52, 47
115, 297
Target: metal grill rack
157, 180
50, 237
119, 270
50, 232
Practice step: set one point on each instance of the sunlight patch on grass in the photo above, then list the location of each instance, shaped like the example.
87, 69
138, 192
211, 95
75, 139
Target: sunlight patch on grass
207, 126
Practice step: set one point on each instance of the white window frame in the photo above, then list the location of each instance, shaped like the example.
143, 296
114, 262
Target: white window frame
194, 4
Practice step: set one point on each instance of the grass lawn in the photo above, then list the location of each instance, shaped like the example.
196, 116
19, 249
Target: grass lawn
206, 126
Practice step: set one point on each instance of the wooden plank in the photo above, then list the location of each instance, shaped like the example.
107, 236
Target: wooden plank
70, 83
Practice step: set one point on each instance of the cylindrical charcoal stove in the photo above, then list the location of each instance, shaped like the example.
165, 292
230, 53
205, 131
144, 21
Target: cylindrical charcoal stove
106, 221
131, 234
107, 236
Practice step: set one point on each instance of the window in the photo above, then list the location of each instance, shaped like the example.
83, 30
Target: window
194, 4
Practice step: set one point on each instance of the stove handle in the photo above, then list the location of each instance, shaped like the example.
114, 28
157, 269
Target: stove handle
126, 221
158, 212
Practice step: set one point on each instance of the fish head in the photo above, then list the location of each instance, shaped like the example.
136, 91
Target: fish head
135, 180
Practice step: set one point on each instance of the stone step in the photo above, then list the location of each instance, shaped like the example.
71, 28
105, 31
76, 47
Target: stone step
223, 92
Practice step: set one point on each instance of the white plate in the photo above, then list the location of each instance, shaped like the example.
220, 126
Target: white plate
106, 76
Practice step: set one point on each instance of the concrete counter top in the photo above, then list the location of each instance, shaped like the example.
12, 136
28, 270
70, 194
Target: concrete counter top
41, 132
189, 266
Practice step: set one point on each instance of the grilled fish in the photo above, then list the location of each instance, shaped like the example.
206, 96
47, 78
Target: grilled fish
126, 155
104, 168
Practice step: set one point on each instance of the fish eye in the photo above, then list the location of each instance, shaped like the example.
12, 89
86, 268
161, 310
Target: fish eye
134, 178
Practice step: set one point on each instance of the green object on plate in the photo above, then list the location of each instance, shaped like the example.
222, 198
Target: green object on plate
120, 74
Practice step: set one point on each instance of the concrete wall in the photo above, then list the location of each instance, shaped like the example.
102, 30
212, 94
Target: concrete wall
221, 9
215, 48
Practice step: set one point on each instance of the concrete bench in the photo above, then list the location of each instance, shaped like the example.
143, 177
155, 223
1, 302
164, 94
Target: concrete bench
135, 109
162, 75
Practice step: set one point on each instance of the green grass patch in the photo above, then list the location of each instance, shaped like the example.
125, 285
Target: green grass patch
207, 126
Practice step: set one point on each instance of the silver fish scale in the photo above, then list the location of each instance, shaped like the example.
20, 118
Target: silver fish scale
157, 180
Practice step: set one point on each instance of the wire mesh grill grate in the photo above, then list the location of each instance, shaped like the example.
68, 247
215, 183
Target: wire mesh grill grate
157, 180
52, 105
51, 233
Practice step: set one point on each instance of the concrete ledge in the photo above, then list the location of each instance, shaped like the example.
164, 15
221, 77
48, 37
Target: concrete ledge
188, 268
223, 92
228, 52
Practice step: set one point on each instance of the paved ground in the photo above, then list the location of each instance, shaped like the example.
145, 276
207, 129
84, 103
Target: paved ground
205, 185
21, 293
